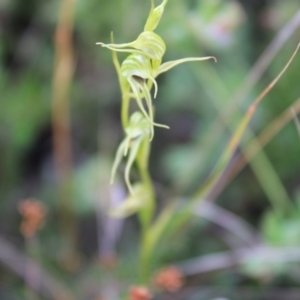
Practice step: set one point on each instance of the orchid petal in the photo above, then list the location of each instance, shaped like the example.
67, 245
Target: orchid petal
132, 156
117, 161
171, 64
148, 43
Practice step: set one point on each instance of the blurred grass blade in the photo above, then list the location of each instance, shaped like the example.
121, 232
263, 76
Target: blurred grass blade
296, 120
234, 141
151, 238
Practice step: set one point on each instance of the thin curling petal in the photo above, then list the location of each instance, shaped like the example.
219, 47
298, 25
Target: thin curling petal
147, 96
137, 69
117, 161
132, 156
155, 86
126, 145
137, 95
154, 15
136, 65
171, 64
149, 105
151, 44
140, 88
138, 129
148, 43
119, 48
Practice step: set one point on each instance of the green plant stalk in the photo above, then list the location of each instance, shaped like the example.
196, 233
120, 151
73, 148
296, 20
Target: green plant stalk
125, 104
150, 239
146, 213
125, 88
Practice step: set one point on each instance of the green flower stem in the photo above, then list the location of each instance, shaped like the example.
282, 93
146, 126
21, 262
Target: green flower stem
125, 105
151, 238
125, 88
146, 213
146, 249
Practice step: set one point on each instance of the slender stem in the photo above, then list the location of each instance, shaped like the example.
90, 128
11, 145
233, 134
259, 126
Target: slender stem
152, 236
125, 88
125, 105
145, 258
146, 213
62, 151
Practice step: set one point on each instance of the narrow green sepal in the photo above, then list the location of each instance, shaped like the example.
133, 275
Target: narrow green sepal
148, 43
171, 64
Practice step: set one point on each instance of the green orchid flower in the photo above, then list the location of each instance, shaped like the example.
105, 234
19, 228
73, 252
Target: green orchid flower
137, 76
138, 71
137, 131
145, 63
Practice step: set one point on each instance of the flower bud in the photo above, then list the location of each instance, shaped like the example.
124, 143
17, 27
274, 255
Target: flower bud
154, 15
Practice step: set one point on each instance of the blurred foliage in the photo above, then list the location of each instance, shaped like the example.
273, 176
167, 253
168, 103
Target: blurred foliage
190, 100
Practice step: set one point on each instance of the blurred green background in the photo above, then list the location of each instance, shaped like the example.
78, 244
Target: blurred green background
196, 100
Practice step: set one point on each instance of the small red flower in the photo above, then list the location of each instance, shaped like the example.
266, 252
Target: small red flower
139, 293
33, 213
169, 279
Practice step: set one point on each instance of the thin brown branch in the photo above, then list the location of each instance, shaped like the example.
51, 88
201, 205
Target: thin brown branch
62, 78
62, 152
